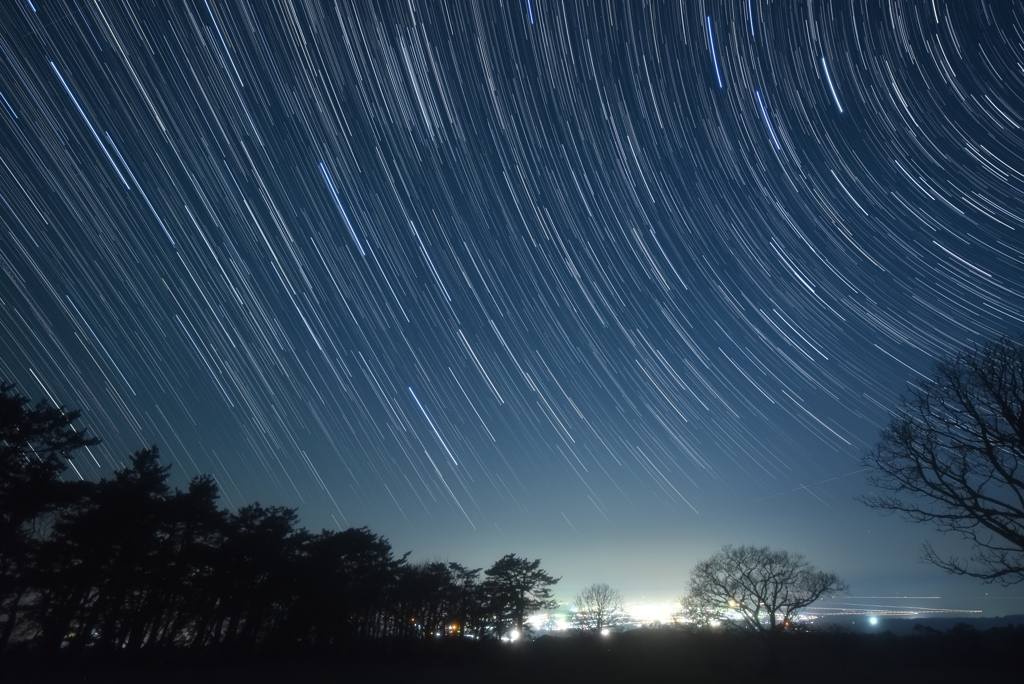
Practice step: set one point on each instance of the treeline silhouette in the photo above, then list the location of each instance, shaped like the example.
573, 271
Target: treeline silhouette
129, 572
130, 564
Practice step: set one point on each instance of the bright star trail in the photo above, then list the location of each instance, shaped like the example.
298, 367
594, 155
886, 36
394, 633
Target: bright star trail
466, 271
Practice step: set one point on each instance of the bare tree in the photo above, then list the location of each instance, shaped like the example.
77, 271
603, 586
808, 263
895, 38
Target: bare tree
598, 607
952, 456
756, 587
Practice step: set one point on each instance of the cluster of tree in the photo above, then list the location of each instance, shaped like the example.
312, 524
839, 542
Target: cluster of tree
952, 455
129, 563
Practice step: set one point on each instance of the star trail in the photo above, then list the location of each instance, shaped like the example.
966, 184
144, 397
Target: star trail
465, 272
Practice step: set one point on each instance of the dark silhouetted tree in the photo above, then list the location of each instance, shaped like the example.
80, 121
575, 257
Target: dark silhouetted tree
127, 563
254, 576
514, 588
36, 443
598, 607
104, 565
423, 594
953, 456
762, 587
191, 533
347, 588
466, 610
757, 588
131, 565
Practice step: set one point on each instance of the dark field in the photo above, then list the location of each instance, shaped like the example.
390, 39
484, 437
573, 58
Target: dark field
654, 655
302, 674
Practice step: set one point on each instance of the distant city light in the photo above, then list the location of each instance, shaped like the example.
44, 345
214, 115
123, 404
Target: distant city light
652, 612
873, 620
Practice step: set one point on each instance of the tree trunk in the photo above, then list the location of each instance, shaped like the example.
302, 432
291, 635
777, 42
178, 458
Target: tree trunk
12, 614
774, 665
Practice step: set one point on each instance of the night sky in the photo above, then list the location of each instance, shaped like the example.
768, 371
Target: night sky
607, 284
